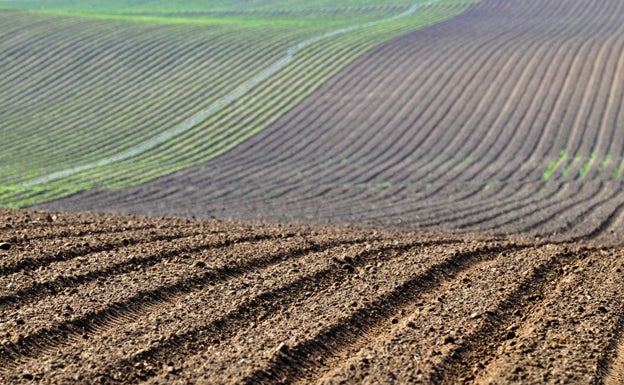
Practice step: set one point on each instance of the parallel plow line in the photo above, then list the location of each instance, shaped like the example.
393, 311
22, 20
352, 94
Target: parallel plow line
295, 83
450, 130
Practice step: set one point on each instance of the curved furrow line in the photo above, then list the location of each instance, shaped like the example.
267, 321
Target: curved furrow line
119, 93
540, 212
461, 221
144, 301
224, 49
451, 147
276, 141
497, 114
595, 145
446, 211
276, 145
200, 150
353, 177
548, 94
577, 84
313, 149
258, 116
118, 118
498, 324
597, 77
455, 167
609, 116
610, 224
546, 143
453, 313
501, 155
550, 36
308, 356
476, 141
25, 290
56, 73
480, 209
251, 96
451, 215
38, 36
123, 59
561, 112
13, 30
46, 339
589, 218
108, 40
426, 198
579, 313
495, 206
75, 249
527, 196
549, 220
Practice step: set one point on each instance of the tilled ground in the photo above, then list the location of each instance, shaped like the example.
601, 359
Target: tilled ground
88, 298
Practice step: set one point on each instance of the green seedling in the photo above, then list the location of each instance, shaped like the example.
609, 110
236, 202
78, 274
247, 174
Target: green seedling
585, 167
553, 165
618, 171
604, 163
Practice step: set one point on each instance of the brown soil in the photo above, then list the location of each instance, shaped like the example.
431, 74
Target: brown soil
449, 127
87, 298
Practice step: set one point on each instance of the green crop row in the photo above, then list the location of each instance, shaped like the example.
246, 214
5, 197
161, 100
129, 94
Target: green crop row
176, 6
91, 103
584, 164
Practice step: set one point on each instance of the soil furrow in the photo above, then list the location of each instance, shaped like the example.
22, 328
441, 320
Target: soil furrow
497, 325
302, 360
62, 281
570, 336
611, 370
253, 310
128, 239
86, 324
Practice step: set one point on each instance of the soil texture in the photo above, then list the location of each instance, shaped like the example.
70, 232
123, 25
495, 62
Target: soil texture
92, 298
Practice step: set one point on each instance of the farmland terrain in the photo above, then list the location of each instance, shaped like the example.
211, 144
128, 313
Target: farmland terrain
506, 118
111, 100
470, 172
125, 299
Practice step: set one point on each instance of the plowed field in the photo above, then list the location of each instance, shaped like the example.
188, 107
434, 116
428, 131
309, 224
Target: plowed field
112, 299
506, 118
474, 171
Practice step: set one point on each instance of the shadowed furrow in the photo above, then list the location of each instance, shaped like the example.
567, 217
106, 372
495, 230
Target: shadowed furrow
505, 94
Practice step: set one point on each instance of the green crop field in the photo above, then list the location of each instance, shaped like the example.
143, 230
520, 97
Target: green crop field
105, 94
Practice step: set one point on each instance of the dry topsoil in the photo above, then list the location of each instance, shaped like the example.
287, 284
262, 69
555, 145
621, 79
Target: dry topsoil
88, 298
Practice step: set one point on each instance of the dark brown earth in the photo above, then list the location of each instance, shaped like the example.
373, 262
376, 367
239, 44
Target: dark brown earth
88, 298
485, 272
449, 127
